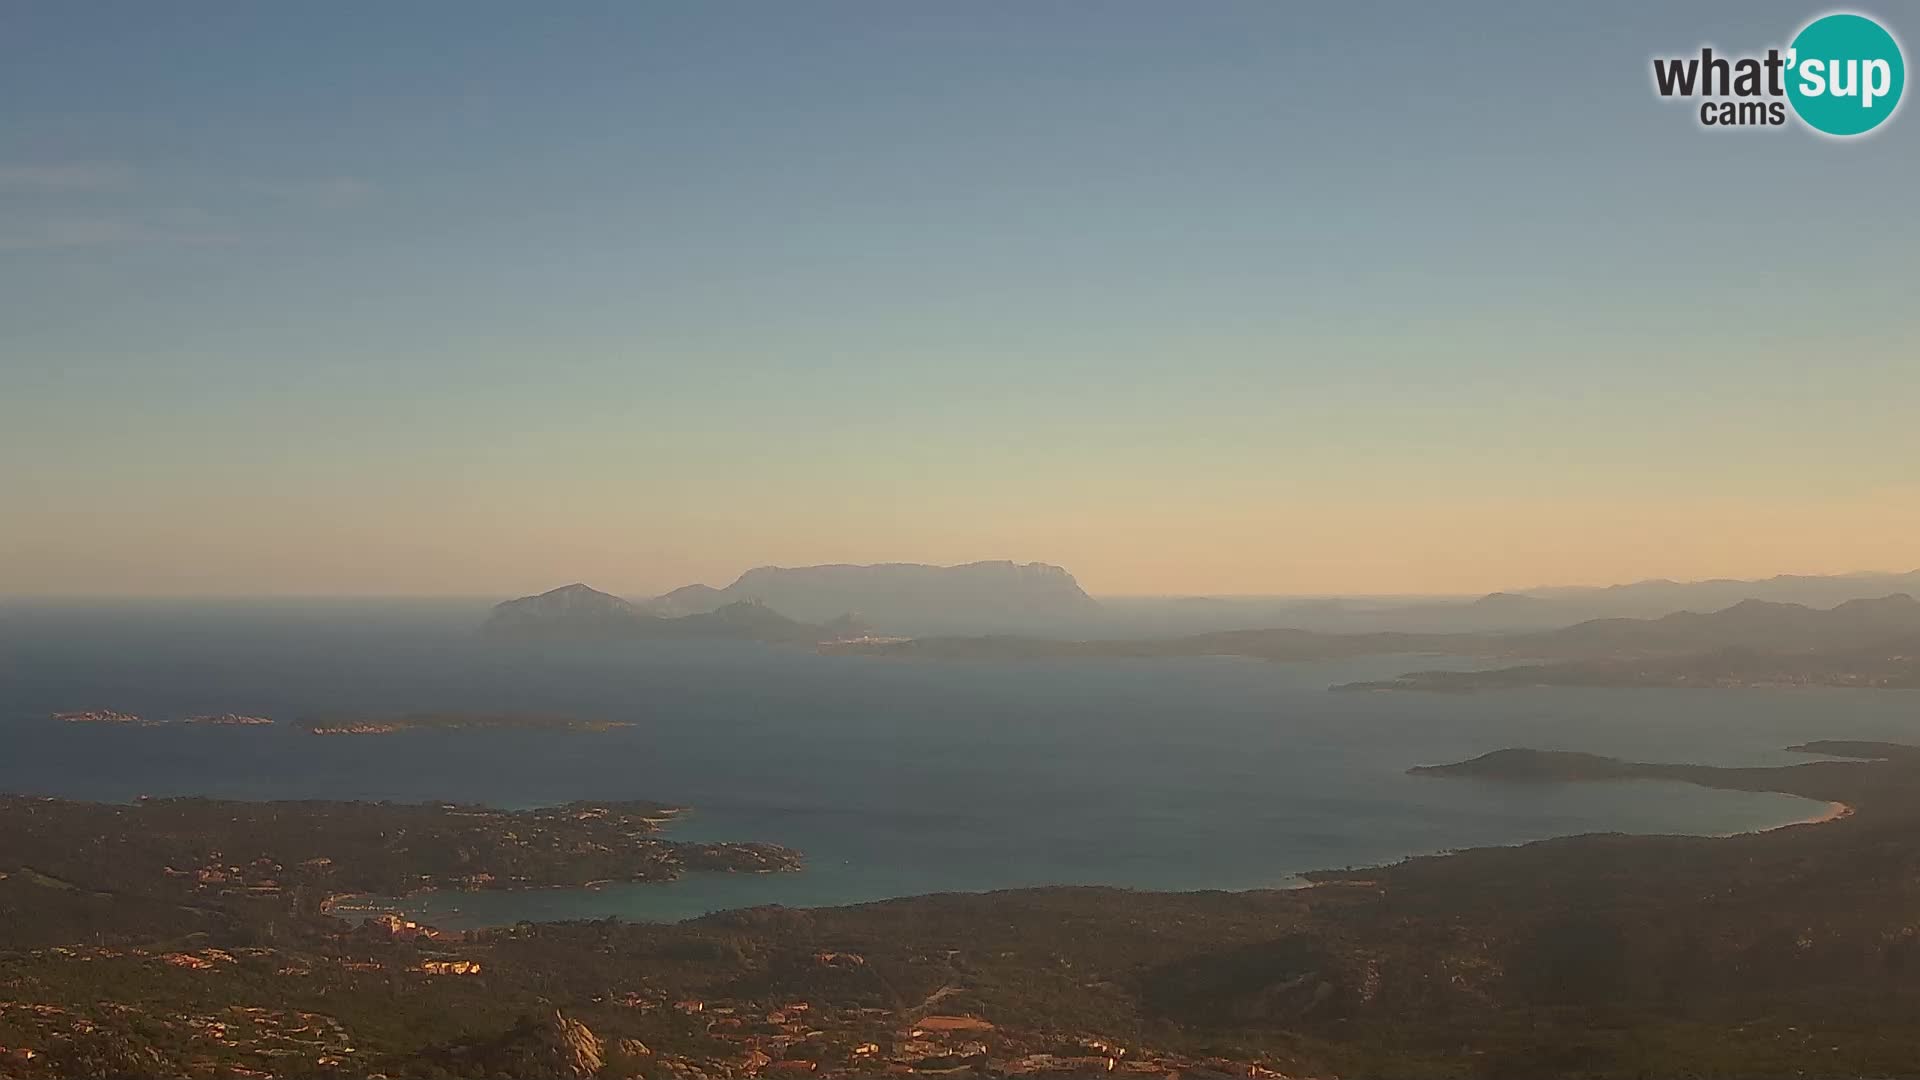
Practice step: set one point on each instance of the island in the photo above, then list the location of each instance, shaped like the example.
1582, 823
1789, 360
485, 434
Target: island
1833, 782
904, 598
101, 716
229, 720
112, 717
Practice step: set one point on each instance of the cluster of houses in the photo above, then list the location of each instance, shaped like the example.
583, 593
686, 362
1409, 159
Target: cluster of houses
743, 1039
801, 1039
257, 877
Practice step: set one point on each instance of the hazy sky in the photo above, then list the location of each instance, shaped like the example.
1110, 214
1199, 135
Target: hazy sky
1212, 297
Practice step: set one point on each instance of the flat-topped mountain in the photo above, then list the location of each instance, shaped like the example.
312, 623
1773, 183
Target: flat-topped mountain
578, 612
1506, 601
905, 597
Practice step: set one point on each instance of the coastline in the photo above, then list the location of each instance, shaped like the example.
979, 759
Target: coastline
1302, 882
1835, 811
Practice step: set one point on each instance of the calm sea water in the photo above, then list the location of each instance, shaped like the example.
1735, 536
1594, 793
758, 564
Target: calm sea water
894, 778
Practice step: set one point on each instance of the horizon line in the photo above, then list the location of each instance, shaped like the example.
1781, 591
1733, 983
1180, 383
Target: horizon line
494, 597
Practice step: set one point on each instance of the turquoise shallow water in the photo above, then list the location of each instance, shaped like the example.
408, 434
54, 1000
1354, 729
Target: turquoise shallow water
894, 778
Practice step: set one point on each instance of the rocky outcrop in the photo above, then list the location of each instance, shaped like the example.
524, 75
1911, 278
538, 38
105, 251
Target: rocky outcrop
575, 1050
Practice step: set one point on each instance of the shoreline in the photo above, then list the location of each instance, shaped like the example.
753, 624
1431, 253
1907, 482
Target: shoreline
1835, 811
1301, 881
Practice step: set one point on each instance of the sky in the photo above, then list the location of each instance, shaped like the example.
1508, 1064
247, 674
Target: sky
478, 299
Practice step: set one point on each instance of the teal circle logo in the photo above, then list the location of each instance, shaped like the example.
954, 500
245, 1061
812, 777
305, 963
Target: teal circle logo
1845, 74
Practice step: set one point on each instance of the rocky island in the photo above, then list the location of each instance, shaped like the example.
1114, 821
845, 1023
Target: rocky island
996, 596
229, 720
123, 719
101, 716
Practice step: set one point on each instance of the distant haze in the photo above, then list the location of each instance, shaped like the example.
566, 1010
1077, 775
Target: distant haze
1406, 548
1239, 297
1406, 545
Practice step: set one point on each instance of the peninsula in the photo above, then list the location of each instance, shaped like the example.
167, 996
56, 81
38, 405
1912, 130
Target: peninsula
180, 855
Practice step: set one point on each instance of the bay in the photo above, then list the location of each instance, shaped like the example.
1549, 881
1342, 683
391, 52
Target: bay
893, 777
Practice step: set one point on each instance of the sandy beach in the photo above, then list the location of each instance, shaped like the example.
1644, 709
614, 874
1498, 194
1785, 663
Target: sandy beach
1834, 812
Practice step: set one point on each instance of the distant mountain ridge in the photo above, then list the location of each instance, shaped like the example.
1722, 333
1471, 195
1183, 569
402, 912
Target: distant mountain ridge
1003, 599
1860, 643
1887, 625
1750, 624
579, 612
904, 597
1659, 596
1519, 610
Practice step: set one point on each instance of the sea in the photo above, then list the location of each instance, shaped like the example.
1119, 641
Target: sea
893, 777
